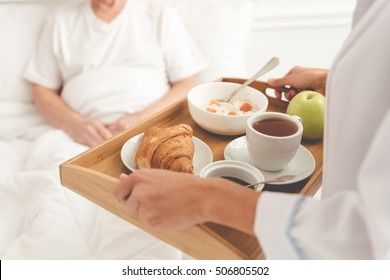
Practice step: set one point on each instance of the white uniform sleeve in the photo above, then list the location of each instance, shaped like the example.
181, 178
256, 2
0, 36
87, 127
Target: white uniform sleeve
374, 182
182, 56
275, 214
349, 225
42, 68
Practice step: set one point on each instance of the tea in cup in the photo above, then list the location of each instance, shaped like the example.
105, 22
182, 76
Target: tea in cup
273, 139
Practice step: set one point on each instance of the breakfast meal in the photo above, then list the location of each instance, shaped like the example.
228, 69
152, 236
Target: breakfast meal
232, 108
168, 148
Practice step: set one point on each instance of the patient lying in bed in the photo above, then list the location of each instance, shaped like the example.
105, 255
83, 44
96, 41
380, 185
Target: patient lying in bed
100, 67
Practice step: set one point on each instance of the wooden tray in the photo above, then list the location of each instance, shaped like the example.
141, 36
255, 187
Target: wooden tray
95, 173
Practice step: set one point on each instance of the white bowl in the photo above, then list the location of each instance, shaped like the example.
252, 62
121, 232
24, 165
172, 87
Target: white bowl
233, 169
201, 95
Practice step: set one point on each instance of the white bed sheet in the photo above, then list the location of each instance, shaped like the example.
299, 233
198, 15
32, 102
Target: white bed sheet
40, 219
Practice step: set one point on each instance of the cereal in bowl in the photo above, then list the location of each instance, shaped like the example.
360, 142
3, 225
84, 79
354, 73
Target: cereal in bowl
232, 108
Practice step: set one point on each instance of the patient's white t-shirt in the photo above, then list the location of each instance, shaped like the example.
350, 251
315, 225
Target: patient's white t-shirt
107, 69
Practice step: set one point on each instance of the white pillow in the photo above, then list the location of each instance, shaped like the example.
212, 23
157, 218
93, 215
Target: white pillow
220, 28
20, 27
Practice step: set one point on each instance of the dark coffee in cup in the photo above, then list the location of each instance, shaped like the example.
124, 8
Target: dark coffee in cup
236, 180
275, 127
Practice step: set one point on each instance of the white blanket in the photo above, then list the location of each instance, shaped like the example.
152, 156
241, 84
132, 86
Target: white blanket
20, 120
39, 218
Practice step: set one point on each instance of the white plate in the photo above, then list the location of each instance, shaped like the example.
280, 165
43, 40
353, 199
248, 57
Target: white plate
302, 165
202, 155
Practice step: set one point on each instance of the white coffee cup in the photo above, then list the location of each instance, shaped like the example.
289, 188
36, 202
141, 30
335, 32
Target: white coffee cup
270, 152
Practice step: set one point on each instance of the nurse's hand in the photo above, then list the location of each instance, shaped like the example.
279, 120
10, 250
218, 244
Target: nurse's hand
300, 78
164, 199
168, 200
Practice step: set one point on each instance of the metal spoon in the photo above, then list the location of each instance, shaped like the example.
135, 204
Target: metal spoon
280, 179
272, 63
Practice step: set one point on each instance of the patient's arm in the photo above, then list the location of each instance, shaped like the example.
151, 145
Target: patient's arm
83, 130
177, 91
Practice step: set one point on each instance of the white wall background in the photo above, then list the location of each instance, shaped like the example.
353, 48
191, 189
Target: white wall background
299, 32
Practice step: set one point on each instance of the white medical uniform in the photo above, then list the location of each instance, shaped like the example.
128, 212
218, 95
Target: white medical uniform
140, 53
352, 221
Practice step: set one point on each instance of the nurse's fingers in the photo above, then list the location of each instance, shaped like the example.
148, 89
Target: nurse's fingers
290, 95
124, 188
278, 94
132, 204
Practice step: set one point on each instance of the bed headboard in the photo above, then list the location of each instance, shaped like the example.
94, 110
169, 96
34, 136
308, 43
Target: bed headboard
220, 28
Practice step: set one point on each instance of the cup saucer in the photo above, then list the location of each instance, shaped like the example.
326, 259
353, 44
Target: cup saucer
302, 165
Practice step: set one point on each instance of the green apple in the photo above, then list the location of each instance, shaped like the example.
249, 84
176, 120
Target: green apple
310, 107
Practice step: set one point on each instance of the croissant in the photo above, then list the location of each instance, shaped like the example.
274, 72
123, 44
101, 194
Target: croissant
169, 148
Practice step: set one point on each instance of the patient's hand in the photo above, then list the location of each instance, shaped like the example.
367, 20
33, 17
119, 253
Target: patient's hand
124, 123
88, 132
